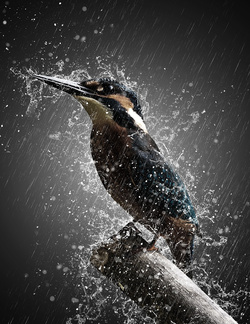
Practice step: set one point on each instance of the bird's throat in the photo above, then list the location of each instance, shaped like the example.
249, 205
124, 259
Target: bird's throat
98, 113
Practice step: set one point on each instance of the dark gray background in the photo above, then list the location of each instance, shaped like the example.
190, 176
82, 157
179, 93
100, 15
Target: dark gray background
191, 58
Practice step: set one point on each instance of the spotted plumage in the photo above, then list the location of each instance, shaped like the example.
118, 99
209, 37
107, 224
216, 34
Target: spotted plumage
130, 164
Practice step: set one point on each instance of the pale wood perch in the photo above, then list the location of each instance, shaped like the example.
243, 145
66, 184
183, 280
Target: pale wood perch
154, 282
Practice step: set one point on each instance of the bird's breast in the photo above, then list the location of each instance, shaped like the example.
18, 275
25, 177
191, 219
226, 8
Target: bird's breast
111, 152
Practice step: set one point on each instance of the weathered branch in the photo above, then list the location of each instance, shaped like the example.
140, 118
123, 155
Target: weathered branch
154, 282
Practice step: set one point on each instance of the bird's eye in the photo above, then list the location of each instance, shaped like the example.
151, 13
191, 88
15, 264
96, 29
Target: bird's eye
106, 89
110, 89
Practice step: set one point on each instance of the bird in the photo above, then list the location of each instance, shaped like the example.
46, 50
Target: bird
130, 165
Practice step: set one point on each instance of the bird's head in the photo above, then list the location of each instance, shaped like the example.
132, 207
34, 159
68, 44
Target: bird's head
105, 100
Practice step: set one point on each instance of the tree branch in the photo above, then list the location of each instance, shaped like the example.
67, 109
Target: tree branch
154, 282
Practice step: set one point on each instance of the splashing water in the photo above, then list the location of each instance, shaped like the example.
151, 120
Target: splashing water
104, 217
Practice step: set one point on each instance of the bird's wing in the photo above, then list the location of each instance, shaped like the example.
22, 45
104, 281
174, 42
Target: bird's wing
157, 182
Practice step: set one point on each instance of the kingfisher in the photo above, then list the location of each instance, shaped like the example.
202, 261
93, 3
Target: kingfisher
131, 166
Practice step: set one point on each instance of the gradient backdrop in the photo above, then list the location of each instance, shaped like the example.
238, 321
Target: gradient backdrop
190, 63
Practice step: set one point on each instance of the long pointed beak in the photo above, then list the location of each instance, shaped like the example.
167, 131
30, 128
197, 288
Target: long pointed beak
71, 87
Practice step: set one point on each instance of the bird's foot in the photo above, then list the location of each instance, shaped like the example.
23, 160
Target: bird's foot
151, 246
133, 239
